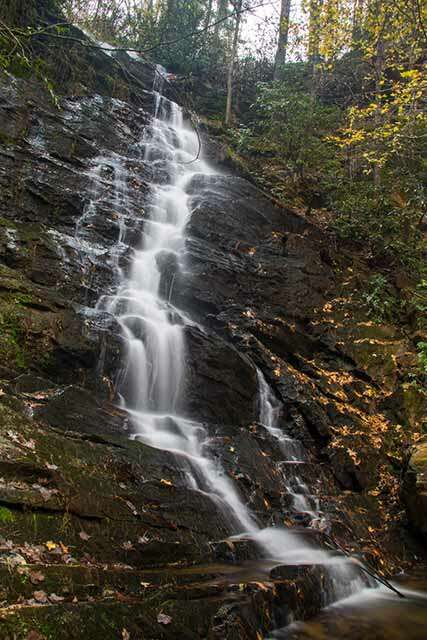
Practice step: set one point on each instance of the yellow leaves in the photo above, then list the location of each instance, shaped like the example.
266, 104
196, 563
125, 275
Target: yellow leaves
411, 74
50, 546
167, 483
353, 455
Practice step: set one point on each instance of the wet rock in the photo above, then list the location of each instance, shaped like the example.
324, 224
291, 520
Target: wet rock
77, 409
221, 383
28, 383
353, 471
415, 488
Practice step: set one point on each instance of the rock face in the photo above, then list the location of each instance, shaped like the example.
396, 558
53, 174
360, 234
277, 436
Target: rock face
104, 531
415, 488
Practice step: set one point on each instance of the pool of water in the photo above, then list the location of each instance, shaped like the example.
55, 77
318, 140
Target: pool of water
370, 615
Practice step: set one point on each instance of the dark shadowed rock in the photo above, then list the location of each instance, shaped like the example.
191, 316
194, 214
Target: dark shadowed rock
415, 488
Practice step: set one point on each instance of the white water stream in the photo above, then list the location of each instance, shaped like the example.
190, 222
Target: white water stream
154, 330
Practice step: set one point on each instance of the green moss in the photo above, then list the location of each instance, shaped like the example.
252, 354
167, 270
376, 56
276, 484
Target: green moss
5, 139
12, 337
5, 222
6, 515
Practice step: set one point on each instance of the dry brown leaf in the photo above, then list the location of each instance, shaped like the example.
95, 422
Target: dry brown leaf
261, 586
127, 545
40, 596
144, 539
36, 577
34, 635
84, 536
55, 599
131, 507
163, 618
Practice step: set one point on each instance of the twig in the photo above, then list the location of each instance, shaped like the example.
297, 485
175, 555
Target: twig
371, 572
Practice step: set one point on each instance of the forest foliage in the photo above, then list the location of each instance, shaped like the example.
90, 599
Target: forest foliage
326, 100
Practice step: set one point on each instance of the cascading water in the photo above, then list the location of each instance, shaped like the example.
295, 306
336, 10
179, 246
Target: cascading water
152, 381
294, 456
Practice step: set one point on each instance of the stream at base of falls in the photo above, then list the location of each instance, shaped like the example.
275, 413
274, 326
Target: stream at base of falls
152, 380
370, 614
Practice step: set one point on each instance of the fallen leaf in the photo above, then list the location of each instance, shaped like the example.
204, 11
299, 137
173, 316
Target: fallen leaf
127, 546
30, 444
40, 596
168, 483
125, 634
50, 546
36, 577
261, 586
54, 598
84, 536
52, 467
132, 507
144, 539
163, 618
34, 635
145, 584
46, 494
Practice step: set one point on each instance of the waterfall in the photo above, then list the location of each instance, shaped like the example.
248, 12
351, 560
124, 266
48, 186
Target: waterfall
152, 382
294, 456
345, 578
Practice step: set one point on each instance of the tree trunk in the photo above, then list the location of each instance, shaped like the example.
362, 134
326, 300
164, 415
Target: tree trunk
208, 16
228, 109
379, 66
314, 28
357, 21
280, 59
221, 12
